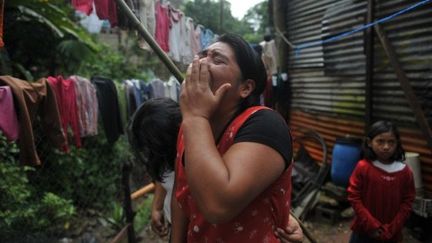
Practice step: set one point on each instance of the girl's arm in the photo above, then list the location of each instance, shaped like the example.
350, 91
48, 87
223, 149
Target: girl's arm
367, 221
405, 208
157, 214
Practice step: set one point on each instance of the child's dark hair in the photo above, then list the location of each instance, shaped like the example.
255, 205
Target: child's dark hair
378, 128
152, 133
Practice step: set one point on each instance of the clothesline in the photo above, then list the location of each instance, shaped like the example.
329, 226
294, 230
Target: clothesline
74, 103
299, 47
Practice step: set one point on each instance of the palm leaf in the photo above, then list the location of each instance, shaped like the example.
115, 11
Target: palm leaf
54, 18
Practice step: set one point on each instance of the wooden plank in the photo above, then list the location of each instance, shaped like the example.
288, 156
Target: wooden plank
406, 87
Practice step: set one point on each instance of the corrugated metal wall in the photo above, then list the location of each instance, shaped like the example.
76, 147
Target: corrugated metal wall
328, 81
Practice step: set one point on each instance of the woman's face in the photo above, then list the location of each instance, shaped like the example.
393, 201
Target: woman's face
222, 65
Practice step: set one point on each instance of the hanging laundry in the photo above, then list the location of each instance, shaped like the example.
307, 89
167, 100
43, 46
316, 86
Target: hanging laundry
90, 22
135, 85
158, 88
84, 6
67, 103
172, 89
35, 99
207, 37
146, 14
192, 46
269, 56
107, 9
162, 26
176, 33
108, 107
146, 91
197, 37
1, 22
121, 97
131, 100
87, 104
8, 119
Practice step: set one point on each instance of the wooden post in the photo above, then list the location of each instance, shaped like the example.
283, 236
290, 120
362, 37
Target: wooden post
279, 23
369, 49
127, 204
283, 102
406, 87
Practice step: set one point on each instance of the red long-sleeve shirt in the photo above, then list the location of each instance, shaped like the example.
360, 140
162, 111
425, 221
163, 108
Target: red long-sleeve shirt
380, 199
66, 99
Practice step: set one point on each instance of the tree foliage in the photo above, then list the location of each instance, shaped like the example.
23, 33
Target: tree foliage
257, 18
207, 13
42, 38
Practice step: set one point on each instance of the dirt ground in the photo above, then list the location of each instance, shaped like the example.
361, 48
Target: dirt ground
321, 228
339, 231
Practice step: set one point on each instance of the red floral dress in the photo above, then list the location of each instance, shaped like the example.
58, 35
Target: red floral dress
255, 224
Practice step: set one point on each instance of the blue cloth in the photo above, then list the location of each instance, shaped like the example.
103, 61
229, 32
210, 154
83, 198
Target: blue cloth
206, 38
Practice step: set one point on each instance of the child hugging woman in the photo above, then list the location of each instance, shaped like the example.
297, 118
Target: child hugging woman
381, 188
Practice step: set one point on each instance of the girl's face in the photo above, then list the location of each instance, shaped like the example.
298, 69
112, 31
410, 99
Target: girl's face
384, 146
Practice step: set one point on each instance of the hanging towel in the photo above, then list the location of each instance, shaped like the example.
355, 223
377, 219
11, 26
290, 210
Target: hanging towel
107, 9
176, 33
35, 99
66, 99
158, 88
1, 22
87, 105
84, 6
8, 119
162, 26
108, 108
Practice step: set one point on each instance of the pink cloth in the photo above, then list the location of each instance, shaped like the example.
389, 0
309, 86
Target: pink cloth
85, 6
8, 119
162, 26
87, 105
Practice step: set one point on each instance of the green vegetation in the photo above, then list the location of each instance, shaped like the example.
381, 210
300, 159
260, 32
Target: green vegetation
20, 205
207, 12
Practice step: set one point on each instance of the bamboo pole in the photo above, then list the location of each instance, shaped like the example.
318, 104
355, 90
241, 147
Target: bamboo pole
149, 39
144, 190
306, 232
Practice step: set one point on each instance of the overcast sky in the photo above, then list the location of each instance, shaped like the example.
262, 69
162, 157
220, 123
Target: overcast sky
240, 7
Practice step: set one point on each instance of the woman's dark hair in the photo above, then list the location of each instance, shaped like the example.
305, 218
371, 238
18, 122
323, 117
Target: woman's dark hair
152, 133
250, 63
378, 128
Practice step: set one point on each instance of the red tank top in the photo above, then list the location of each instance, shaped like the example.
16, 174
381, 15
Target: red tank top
255, 224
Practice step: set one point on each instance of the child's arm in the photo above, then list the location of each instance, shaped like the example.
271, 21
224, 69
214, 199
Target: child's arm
404, 210
369, 223
157, 214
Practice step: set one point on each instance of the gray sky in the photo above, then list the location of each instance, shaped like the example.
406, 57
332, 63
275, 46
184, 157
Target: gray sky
240, 7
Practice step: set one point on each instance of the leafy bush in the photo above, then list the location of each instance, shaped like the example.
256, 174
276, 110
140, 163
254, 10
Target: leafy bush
20, 207
143, 214
90, 175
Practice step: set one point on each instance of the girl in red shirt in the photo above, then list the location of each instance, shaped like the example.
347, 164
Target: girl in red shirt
381, 188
